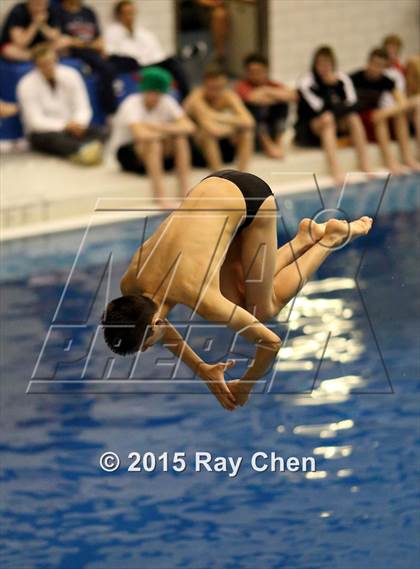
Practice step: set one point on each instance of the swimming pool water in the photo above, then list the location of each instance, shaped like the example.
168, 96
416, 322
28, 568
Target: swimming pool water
354, 341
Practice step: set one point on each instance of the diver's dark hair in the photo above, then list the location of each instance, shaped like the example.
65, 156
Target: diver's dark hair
255, 58
125, 321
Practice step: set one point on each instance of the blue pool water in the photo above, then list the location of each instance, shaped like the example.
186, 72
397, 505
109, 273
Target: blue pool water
352, 337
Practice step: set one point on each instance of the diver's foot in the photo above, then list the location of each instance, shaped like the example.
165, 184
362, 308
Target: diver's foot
338, 232
310, 232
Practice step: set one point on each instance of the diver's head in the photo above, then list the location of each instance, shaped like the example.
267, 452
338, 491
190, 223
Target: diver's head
130, 323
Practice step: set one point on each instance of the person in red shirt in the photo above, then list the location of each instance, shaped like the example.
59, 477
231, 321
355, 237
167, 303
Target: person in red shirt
268, 103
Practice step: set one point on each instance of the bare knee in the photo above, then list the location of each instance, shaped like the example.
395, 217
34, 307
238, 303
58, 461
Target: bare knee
324, 122
327, 120
353, 118
180, 138
149, 147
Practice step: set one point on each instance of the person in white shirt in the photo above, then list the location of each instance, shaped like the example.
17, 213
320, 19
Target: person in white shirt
151, 131
132, 47
56, 111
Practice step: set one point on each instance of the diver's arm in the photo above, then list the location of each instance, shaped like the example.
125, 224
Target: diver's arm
176, 344
217, 308
213, 375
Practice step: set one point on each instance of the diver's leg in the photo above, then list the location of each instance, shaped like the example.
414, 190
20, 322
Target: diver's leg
231, 274
258, 256
290, 280
308, 234
262, 261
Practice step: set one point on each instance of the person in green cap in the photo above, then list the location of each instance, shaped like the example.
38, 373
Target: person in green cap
150, 133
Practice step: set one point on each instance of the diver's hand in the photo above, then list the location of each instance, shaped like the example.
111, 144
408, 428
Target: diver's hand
240, 391
214, 376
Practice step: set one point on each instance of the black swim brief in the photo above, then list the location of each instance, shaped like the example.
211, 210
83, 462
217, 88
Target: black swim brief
253, 188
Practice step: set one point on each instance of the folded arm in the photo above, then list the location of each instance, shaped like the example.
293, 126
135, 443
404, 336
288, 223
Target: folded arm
216, 308
183, 125
270, 95
143, 132
23, 37
213, 375
215, 123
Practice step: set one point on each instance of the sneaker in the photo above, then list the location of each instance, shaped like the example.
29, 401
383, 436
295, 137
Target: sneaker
89, 154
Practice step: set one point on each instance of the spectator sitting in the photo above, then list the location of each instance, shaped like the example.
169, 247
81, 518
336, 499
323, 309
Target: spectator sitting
413, 75
403, 78
326, 109
82, 37
28, 24
132, 47
393, 45
151, 128
56, 111
224, 123
379, 101
268, 103
413, 92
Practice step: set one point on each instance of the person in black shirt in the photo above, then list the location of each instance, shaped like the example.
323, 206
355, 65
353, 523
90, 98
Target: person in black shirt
326, 108
379, 102
82, 39
28, 24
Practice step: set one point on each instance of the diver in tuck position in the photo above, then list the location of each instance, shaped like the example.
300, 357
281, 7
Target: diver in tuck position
217, 253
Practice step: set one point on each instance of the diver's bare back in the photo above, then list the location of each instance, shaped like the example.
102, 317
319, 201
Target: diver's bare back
181, 260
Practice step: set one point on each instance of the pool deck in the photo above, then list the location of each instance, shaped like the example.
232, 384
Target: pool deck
41, 194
